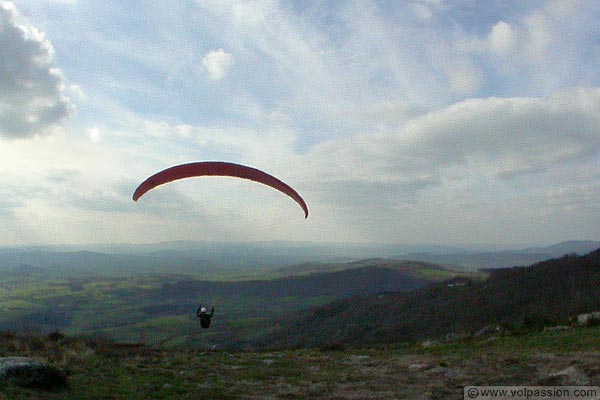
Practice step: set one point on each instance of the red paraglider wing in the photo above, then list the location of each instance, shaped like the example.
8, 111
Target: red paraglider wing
217, 168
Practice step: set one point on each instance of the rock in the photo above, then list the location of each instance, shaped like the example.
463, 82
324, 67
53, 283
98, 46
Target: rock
447, 372
451, 336
569, 376
556, 328
455, 336
430, 343
268, 361
363, 360
167, 386
417, 367
488, 330
32, 373
204, 385
588, 319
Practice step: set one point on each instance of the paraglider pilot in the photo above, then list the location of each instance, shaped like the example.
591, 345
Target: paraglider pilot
204, 316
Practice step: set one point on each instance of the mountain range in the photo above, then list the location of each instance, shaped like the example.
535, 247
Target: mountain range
218, 260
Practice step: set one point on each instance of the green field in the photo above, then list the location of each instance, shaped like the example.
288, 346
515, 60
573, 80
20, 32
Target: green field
136, 309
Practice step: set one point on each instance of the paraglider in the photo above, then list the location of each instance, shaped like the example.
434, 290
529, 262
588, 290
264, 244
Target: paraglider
204, 316
217, 168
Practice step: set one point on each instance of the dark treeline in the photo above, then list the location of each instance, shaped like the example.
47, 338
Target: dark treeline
350, 282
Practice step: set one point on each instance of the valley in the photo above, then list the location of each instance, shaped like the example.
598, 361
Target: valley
160, 309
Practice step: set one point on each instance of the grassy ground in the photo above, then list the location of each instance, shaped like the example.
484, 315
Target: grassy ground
106, 370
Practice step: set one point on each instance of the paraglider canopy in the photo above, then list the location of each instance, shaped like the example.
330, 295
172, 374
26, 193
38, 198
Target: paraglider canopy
217, 168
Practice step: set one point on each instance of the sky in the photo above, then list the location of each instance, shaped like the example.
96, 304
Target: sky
413, 121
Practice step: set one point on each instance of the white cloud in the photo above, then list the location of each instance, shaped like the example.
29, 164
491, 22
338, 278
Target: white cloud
465, 80
553, 46
502, 38
421, 11
59, 2
217, 63
77, 92
31, 88
252, 12
94, 135
485, 165
496, 138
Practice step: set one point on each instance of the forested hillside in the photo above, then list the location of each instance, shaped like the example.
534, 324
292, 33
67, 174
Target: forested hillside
519, 298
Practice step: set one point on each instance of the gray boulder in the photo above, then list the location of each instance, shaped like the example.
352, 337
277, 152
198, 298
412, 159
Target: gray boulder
449, 337
568, 376
445, 371
557, 328
488, 330
32, 373
430, 343
588, 319
417, 367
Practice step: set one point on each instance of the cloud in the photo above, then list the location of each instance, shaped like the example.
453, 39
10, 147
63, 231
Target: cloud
552, 46
217, 63
466, 79
495, 138
77, 92
322, 64
59, 2
31, 98
94, 134
252, 12
474, 169
501, 38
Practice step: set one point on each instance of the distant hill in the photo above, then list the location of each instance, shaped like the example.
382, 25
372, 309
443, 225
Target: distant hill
85, 263
568, 247
411, 267
27, 270
518, 298
469, 260
354, 279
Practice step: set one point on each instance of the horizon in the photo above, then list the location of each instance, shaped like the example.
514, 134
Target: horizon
190, 245
423, 122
